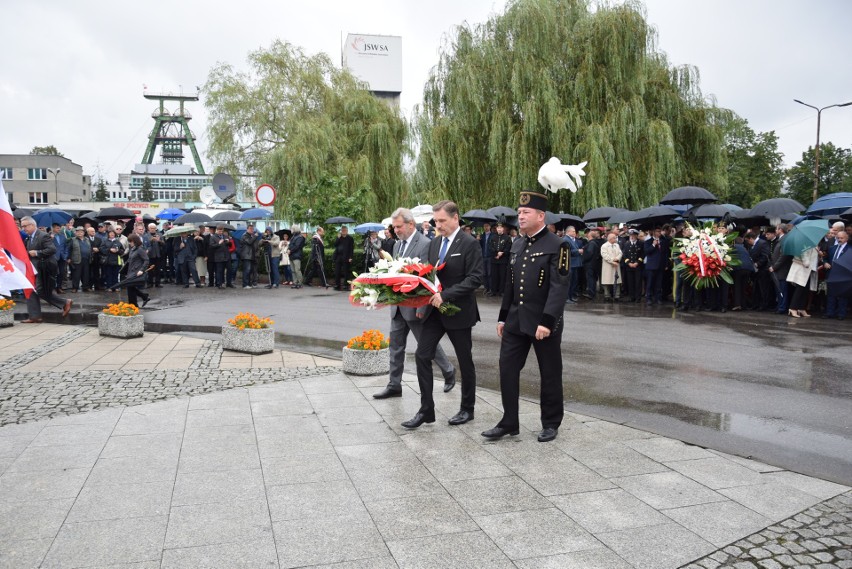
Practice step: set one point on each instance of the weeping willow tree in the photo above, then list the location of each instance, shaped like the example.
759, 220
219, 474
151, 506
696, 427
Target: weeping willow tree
554, 78
296, 121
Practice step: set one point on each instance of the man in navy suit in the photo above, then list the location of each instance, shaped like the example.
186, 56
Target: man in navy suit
460, 257
836, 305
485, 243
62, 254
656, 255
42, 251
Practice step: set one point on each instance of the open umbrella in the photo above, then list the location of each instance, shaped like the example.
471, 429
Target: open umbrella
50, 215
227, 215
707, 211
847, 215
282, 232
367, 227
566, 219
839, 279
192, 218
175, 231
501, 210
654, 214
92, 217
621, 217
691, 195
146, 219
170, 213
256, 213
804, 236
776, 207
223, 225
339, 220
479, 215
832, 203
116, 213
601, 213
23, 212
551, 218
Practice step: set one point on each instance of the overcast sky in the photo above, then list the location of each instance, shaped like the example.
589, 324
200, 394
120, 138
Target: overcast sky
72, 72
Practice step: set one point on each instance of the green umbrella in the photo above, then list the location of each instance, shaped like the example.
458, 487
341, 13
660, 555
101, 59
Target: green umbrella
804, 236
179, 230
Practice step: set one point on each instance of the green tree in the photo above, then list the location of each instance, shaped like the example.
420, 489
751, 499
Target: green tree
146, 194
558, 78
101, 194
329, 197
298, 121
754, 165
46, 150
835, 173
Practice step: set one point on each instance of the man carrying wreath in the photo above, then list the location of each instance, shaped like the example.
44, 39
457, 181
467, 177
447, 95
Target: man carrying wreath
532, 315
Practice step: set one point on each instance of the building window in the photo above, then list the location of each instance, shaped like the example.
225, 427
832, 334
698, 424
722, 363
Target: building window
38, 198
36, 173
6, 173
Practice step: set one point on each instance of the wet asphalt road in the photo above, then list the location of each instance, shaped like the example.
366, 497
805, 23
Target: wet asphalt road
753, 384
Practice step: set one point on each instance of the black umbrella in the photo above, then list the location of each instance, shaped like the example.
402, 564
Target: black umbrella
840, 276
225, 226
227, 215
23, 212
91, 216
501, 210
339, 220
116, 213
688, 195
847, 215
621, 217
146, 219
479, 215
745, 218
551, 218
707, 211
654, 214
192, 218
282, 232
566, 219
776, 207
601, 213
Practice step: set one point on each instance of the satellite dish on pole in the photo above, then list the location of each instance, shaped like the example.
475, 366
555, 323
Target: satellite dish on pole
223, 186
208, 196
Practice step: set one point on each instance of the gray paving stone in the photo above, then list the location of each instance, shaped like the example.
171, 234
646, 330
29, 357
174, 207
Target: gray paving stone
616, 460
314, 541
243, 521
221, 486
328, 384
822, 489
773, 500
294, 444
214, 457
653, 547
534, 532
231, 555
608, 510
73, 434
665, 490
664, 450
23, 486
719, 523
384, 562
35, 458
202, 418
352, 417
561, 474
108, 541
32, 520
154, 445
360, 433
302, 468
600, 558
376, 456
448, 550
134, 469
717, 472
316, 499
297, 405
419, 516
465, 461
281, 427
486, 496
394, 482
24, 553
327, 401
118, 501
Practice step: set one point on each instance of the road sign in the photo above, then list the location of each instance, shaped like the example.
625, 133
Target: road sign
265, 194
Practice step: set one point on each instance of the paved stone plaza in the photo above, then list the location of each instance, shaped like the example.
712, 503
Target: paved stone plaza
165, 451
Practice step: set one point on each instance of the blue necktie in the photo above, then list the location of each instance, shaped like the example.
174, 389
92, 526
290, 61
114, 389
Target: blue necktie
443, 252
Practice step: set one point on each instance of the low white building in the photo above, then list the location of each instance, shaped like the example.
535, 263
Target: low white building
39, 180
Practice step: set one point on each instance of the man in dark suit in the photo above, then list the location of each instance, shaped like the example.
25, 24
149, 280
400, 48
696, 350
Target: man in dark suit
500, 245
656, 255
42, 251
634, 255
185, 254
485, 243
779, 266
460, 258
532, 315
836, 305
344, 252
410, 243
316, 263
760, 256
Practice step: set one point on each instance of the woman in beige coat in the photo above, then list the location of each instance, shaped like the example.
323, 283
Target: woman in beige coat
611, 267
802, 277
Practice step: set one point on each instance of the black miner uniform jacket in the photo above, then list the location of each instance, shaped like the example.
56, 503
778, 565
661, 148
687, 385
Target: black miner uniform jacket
535, 294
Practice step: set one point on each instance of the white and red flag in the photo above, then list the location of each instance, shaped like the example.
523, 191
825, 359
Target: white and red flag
16, 270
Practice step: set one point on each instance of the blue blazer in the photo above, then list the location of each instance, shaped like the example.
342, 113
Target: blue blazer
61, 246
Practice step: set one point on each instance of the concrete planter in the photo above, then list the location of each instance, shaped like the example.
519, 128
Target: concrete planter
366, 362
7, 318
249, 341
121, 326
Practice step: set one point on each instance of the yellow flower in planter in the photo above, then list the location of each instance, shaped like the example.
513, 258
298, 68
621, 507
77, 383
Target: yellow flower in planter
7, 304
121, 309
245, 320
368, 340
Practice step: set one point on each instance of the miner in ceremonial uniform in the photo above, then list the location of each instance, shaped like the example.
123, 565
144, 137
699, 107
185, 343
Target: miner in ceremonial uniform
532, 315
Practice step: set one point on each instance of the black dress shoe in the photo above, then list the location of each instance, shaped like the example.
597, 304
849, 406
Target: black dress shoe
387, 392
461, 417
547, 434
145, 301
418, 420
449, 384
499, 432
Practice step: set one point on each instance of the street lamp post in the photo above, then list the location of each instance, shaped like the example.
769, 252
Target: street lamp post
816, 152
55, 182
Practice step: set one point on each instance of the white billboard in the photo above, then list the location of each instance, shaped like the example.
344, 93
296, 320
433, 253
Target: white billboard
376, 60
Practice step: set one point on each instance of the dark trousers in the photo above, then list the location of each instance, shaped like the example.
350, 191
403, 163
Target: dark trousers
155, 274
486, 275
633, 280
433, 331
247, 271
575, 283
219, 269
187, 269
342, 269
233, 265
170, 272
798, 297
315, 269
61, 272
498, 277
211, 273
591, 280
96, 279
720, 295
110, 275
653, 285
80, 275
765, 289
514, 349
133, 295
45, 281
741, 279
